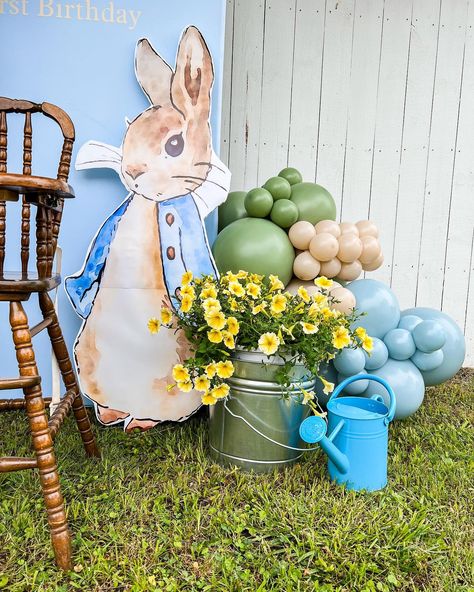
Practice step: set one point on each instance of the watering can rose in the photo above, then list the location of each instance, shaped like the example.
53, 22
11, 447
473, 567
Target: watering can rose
254, 313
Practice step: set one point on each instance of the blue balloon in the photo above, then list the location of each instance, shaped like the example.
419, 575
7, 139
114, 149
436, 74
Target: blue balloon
407, 384
350, 361
355, 388
380, 305
429, 361
454, 348
378, 356
400, 344
328, 372
429, 336
409, 322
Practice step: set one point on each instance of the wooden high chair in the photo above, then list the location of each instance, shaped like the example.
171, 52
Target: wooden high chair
47, 196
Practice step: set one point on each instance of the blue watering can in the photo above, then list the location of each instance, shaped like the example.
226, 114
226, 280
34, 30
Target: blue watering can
358, 436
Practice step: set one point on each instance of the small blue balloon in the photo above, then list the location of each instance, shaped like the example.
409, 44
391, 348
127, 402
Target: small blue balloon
429, 336
409, 322
429, 361
454, 348
380, 305
350, 361
378, 356
355, 388
407, 384
400, 344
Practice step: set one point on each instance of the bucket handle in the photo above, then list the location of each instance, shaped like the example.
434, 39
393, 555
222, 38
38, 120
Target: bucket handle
340, 387
264, 436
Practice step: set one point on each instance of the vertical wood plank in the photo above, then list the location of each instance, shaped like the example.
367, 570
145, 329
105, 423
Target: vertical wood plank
227, 82
276, 87
443, 138
335, 96
416, 135
306, 87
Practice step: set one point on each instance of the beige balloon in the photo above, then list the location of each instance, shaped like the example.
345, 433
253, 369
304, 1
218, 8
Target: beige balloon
367, 228
305, 267
350, 248
296, 283
350, 271
370, 249
324, 246
301, 233
328, 226
348, 228
330, 268
346, 300
374, 265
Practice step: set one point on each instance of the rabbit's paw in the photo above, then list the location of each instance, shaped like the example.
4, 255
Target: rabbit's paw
109, 416
141, 424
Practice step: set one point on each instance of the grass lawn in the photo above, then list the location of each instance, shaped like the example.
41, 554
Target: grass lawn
156, 514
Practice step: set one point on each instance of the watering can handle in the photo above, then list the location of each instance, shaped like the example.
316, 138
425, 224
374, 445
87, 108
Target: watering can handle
340, 387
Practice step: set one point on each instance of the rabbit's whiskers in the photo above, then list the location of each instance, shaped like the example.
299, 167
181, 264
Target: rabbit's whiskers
202, 179
212, 165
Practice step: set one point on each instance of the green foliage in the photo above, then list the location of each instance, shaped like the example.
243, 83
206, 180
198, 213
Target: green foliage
157, 514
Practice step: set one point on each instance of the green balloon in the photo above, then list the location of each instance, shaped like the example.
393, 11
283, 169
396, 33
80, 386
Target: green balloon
278, 187
258, 202
232, 209
314, 203
257, 246
284, 213
292, 175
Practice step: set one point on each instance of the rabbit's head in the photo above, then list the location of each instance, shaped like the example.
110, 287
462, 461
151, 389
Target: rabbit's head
167, 149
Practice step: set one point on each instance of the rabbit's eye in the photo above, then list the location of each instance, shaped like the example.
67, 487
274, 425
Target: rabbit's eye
174, 145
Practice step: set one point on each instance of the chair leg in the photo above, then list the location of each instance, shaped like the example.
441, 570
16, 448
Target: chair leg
42, 441
68, 375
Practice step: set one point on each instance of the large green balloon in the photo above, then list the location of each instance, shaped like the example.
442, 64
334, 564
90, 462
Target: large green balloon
232, 209
255, 245
314, 203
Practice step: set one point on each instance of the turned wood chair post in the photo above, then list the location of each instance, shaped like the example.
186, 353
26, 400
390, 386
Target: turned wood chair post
48, 196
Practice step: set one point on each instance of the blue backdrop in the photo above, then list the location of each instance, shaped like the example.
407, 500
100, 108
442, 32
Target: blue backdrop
80, 57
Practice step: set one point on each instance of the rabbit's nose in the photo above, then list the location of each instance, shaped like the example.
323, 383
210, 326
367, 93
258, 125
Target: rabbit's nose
135, 170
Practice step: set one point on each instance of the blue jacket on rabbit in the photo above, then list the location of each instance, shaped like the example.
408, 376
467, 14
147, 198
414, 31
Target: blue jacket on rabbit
183, 245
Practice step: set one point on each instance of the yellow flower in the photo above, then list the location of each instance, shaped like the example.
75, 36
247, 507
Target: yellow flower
323, 282
225, 369
208, 291
166, 316
278, 304
233, 304
187, 278
233, 325
211, 303
187, 290
220, 392
214, 336
368, 344
229, 341
215, 319
320, 299
256, 278
242, 274
180, 373
259, 308
268, 343
202, 383
237, 289
208, 399
253, 290
328, 386
185, 386
307, 396
275, 283
288, 330
186, 303
309, 328
328, 313
361, 333
153, 325
303, 294
340, 337
210, 370
230, 277
313, 310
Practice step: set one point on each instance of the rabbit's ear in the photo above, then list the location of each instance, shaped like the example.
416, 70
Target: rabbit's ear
153, 73
192, 81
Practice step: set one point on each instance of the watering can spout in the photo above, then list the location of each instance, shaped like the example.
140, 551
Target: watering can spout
313, 429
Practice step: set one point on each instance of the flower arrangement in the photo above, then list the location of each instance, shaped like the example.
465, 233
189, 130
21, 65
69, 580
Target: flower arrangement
251, 312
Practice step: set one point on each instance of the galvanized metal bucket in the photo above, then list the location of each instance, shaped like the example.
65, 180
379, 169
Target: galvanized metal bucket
257, 428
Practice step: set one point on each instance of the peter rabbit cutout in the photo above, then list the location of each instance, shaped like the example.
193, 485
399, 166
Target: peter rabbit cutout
137, 258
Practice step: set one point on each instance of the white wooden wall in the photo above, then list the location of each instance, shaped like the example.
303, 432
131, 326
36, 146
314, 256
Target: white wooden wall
374, 99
